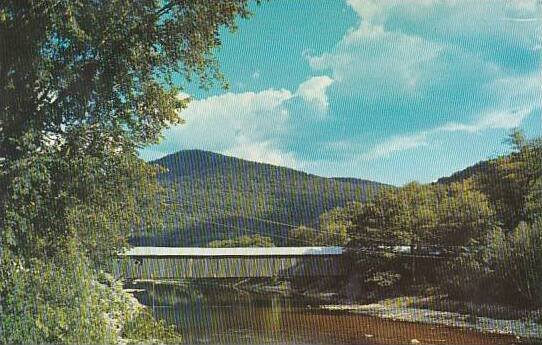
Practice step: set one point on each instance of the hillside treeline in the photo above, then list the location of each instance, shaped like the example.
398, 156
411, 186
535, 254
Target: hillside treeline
476, 234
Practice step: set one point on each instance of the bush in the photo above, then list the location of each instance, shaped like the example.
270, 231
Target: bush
520, 262
62, 303
143, 327
511, 264
468, 275
48, 303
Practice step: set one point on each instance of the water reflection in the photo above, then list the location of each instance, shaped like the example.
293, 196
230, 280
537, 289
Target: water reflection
211, 314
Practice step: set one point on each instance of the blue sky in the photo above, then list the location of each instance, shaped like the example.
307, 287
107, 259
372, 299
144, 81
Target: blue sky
392, 91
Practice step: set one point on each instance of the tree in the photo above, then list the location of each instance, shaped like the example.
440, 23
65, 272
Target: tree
332, 230
334, 226
512, 182
422, 217
304, 236
520, 262
84, 85
243, 241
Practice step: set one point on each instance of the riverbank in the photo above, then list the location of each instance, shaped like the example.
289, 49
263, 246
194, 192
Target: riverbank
523, 324
435, 309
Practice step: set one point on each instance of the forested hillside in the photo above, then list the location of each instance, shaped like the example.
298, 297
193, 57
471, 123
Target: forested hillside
484, 224
219, 197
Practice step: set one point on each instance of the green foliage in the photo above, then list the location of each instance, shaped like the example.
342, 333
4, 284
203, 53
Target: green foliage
94, 85
422, 215
48, 303
519, 262
468, 274
511, 182
304, 236
533, 202
334, 225
487, 219
243, 241
377, 272
332, 230
143, 328
83, 86
61, 196
510, 263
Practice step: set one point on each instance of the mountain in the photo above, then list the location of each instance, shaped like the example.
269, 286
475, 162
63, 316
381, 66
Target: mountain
482, 167
220, 197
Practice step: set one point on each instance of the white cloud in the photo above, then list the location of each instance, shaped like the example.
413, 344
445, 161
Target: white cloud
448, 61
403, 49
396, 144
313, 91
377, 65
490, 121
247, 125
238, 123
493, 120
264, 152
473, 25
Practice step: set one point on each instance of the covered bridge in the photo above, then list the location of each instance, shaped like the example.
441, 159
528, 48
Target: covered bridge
201, 263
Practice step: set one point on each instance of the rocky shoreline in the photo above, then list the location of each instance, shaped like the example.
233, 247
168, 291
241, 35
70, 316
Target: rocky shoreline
520, 328
523, 324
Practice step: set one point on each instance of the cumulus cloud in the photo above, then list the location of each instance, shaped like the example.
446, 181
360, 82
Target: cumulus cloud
313, 91
413, 48
264, 151
229, 121
455, 66
247, 125
374, 64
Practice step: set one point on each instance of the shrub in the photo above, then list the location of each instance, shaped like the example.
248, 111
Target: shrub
143, 327
49, 303
520, 262
69, 303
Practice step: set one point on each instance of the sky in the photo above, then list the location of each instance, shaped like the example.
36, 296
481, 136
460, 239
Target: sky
391, 91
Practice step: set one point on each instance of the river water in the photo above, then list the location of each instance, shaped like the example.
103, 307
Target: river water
209, 314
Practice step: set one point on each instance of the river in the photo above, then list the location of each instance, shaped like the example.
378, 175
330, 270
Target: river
210, 314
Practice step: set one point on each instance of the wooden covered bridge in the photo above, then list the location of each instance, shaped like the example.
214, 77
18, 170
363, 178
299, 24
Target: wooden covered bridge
202, 263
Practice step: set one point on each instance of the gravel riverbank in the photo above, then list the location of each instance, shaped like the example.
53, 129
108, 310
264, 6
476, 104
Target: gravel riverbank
523, 328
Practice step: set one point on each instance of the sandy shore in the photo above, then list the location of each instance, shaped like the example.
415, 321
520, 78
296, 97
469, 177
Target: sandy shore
523, 328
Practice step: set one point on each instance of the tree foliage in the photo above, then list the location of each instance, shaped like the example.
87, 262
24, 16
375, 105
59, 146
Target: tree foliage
513, 182
332, 230
83, 86
422, 215
56, 303
487, 222
519, 262
243, 241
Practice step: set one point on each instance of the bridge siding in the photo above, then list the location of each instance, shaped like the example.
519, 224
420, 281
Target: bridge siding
228, 267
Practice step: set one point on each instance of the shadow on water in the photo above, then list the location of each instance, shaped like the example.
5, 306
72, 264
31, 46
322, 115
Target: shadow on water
207, 313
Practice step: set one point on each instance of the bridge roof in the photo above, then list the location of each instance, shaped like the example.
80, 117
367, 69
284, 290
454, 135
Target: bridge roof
241, 251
